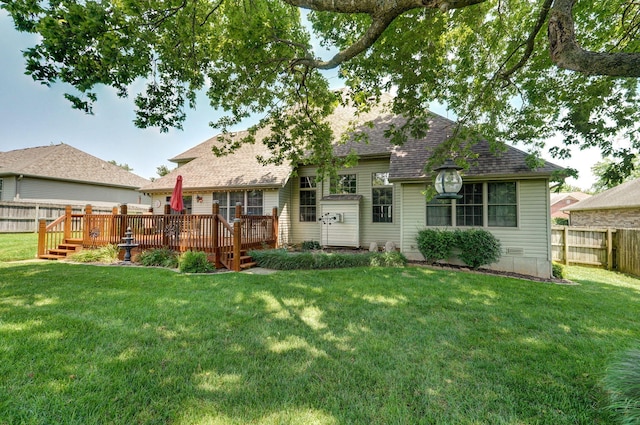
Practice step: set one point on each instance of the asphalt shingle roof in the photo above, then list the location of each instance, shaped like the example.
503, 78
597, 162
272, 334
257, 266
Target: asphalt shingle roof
407, 162
64, 162
625, 195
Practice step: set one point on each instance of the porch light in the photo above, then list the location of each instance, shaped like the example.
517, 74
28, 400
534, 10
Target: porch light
448, 182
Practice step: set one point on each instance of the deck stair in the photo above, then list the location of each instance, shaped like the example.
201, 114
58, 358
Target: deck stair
69, 246
246, 261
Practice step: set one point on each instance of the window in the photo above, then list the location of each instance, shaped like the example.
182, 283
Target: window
498, 201
344, 184
502, 204
469, 208
439, 212
382, 198
308, 199
186, 204
0, 189
251, 200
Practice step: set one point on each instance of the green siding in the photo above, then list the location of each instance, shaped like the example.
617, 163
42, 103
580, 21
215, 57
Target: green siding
369, 231
526, 249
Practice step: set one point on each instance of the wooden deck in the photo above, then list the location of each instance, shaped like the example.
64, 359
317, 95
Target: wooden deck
210, 233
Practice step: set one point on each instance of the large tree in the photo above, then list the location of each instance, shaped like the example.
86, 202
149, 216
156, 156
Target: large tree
509, 70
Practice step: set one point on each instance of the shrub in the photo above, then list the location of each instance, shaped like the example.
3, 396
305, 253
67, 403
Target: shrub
388, 259
477, 247
435, 244
104, 254
162, 257
281, 259
558, 270
195, 262
310, 245
622, 381
560, 221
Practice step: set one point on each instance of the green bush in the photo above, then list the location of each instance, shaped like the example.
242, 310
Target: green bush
195, 262
104, 254
558, 270
622, 382
559, 221
310, 245
435, 244
388, 259
162, 257
477, 247
281, 259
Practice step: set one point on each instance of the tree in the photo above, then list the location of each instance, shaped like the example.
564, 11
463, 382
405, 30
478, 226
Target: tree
125, 167
509, 70
610, 173
162, 170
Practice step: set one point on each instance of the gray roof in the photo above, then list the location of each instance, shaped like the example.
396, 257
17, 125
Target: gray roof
64, 162
407, 161
241, 169
238, 170
625, 195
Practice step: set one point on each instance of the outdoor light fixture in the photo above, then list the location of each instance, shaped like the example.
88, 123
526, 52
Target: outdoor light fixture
448, 181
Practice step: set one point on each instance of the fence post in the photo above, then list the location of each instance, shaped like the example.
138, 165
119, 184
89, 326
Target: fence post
215, 210
42, 235
566, 245
123, 220
609, 249
67, 223
88, 210
237, 237
274, 213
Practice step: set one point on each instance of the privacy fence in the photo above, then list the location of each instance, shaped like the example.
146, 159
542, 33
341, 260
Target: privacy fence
613, 249
23, 217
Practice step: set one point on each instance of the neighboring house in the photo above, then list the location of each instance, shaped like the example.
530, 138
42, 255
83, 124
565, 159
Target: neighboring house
63, 174
617, 207
564, 199
381, 199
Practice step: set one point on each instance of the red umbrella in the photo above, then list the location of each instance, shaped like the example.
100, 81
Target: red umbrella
176, 196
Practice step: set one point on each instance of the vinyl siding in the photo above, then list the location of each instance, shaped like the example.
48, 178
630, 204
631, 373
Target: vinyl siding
8, 188
285, 213
31, 188
526, 248
369, 231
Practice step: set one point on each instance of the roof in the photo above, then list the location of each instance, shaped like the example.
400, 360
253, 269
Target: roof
560, 196
64, 162
238, 170
625, 195
241, 169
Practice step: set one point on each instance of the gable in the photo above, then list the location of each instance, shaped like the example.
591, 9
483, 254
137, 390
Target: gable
64, 162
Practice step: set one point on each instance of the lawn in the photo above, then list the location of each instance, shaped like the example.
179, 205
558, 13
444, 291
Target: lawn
88, 344
18, 246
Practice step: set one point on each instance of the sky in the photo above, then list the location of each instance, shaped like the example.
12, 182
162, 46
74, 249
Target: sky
33, 115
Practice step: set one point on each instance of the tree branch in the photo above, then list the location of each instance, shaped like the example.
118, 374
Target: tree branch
567, 53
382, 14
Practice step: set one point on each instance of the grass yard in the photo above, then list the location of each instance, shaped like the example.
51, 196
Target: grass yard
104, 344
18, 246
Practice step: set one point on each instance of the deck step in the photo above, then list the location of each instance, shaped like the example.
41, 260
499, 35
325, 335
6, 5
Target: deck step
62, 252
248, 265
52, 257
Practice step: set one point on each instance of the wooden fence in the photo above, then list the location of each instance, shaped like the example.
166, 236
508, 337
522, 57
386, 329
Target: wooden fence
24, 217
613, 249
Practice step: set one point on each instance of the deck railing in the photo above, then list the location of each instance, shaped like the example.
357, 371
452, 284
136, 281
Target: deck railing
209, 233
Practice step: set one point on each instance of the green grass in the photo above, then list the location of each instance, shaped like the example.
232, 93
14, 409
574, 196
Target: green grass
18, 246
88, 344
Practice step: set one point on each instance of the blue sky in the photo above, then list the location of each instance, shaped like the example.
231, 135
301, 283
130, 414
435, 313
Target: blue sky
35, 115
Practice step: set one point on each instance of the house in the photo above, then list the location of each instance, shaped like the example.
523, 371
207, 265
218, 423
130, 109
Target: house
617, 207
62, 174
380, 199
564, 199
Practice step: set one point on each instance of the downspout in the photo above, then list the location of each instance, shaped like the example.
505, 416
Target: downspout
18, 180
